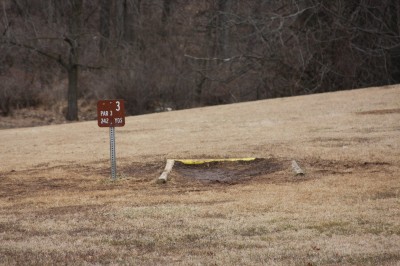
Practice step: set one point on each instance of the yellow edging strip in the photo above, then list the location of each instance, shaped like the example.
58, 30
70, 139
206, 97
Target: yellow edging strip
201, 161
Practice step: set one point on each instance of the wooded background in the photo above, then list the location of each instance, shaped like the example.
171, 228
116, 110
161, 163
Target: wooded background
160, 54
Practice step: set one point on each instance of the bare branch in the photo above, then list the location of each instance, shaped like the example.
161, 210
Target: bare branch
55, 57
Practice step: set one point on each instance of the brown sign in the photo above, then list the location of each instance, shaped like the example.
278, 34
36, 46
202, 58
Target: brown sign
110, 113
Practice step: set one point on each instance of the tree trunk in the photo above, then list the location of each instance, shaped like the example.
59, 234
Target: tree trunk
50, 11
119, 19
223, 31
72, 114
129, 20
105, 8
166, 11
73, 39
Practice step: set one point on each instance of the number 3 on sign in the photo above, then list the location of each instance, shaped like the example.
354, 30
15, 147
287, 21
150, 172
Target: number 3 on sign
118, 106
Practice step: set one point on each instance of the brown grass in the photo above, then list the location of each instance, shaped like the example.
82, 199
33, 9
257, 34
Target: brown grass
58, 205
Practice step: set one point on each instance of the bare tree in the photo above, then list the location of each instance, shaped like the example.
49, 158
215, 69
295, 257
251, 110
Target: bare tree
74, 41
62, 44
190, 53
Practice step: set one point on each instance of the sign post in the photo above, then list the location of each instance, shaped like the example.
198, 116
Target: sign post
112, 153
111, 114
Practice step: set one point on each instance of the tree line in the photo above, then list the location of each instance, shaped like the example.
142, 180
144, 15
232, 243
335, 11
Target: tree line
160, 54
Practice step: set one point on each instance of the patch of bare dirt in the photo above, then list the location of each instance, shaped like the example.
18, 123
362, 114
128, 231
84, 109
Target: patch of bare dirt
144, 172
76, 178
229, 172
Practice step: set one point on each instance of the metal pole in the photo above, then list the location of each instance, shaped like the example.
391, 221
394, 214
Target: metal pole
112, 153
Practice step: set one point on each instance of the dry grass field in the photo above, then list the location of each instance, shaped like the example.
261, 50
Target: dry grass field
59, 206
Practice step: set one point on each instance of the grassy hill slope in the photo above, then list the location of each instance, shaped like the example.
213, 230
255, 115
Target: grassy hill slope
57, 203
